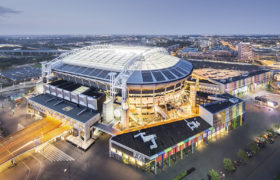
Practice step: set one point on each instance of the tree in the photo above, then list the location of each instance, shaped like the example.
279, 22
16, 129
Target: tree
253, 147
242, 155
271, 132
277, 126
269, 88
214, 175
228, 165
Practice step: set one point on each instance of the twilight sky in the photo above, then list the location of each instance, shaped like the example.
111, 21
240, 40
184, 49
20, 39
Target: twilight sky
21, 17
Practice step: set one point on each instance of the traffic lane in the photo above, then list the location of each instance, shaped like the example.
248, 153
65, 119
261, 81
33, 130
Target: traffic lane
38, 129
26, 137
37, 125
24, 143
17, 150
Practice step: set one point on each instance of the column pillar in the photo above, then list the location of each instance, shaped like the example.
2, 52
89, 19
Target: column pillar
155, 166
211, 135
207, 137
169, 158
162, 161
192, 147
181, 152
227, 128
124, 118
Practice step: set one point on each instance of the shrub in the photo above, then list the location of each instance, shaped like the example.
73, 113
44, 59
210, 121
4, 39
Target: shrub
228, 165
271, 131
277, 126
180, 176
214, 175
242, 155
253, 147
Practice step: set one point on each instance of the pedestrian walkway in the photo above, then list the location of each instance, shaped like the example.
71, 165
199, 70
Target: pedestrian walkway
53, 154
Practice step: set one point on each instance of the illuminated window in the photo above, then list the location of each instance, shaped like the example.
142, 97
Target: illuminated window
132, 159
125, 156
113, 150
119, 153
140, 163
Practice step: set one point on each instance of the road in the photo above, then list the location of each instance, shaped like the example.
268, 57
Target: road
30, 137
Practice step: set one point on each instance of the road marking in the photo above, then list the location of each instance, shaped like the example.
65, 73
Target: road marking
39, 168
54, 154
28, 170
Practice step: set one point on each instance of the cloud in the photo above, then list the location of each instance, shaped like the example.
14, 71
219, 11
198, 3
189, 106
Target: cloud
4, 11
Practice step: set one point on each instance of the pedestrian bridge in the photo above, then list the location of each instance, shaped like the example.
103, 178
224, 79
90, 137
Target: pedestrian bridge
36, 134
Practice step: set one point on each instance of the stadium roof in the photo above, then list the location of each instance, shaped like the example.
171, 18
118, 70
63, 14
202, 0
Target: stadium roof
155, 64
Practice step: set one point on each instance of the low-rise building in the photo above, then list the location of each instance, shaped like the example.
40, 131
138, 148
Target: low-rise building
236, 85
155, 148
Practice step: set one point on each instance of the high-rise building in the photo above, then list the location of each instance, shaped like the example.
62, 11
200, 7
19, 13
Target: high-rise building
245, 51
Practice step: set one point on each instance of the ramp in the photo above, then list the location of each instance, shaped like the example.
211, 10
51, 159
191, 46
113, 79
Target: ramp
32, 136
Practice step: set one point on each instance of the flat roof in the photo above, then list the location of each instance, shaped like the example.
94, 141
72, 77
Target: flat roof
77, 88
167, 135
203, 94
64, 107
237, 78
225, 101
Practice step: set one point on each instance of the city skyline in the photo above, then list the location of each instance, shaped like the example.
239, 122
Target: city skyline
142, 17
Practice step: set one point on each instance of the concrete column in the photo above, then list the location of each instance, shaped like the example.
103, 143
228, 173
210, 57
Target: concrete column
86, 133
110, 146
124, 118
108, 110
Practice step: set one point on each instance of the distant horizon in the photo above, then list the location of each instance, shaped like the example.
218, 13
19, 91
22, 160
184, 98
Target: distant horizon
145, 17
140, 34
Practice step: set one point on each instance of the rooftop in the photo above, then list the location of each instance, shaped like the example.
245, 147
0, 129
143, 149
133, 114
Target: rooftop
115, 58
242, 76
64, 107
167, 135
222, 102
154, 65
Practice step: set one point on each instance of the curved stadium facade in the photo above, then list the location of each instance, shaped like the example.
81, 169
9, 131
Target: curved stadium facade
146, 85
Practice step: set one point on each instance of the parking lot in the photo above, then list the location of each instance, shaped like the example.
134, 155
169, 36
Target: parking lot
21, 73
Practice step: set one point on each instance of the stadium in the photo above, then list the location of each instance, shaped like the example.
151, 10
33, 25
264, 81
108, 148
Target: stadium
122, 88
142, 96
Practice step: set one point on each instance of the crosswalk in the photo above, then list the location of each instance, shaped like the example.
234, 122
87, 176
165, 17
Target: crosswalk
54, 154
